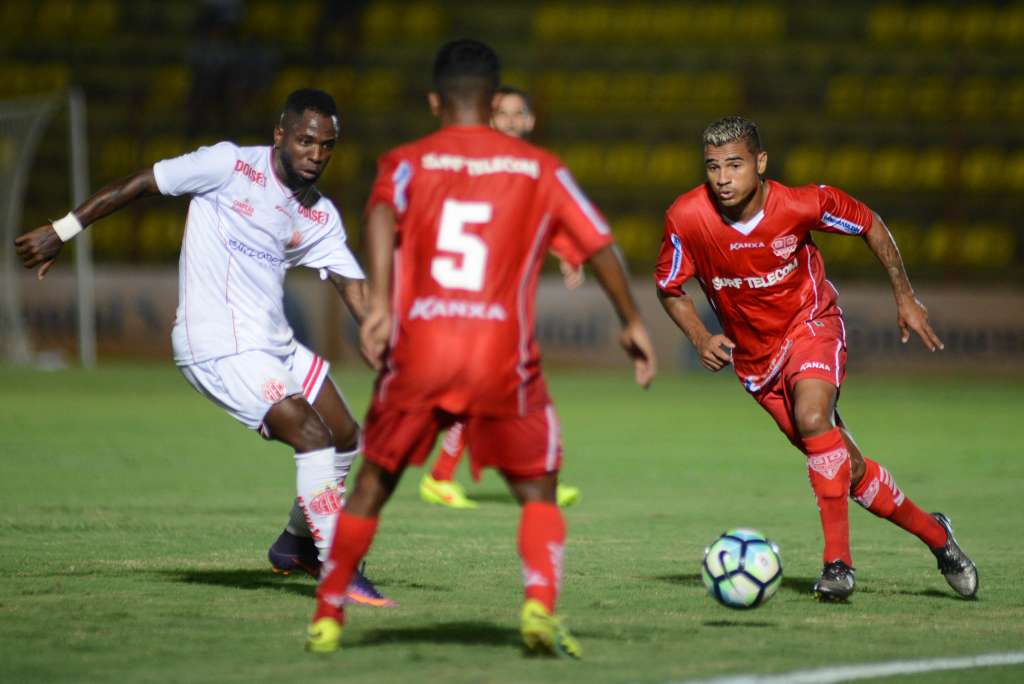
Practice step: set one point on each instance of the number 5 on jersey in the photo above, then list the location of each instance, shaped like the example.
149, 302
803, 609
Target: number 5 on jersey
452, 237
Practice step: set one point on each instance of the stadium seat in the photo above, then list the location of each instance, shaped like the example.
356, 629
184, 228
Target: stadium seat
886, 23
379, 90
930, 97
160, 235
805, 164
979, 98
845, 95
940, 244
893, 168
624, 164
1012, 99
981, 169
1015, 171
987, 245
119, 156
341, 84
169, 88
638, 236
586, 161
18, 78
848, 166
265, 19
116, 237
287, 81
931, 168
166, 147
55, 18
97, 19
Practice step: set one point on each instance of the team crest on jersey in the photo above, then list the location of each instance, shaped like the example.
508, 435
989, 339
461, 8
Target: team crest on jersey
784, 246
829, 463
273, 391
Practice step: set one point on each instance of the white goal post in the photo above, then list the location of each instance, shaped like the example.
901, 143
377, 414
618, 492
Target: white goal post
22, 124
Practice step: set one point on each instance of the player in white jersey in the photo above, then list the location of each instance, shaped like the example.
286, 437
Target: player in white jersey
255, 213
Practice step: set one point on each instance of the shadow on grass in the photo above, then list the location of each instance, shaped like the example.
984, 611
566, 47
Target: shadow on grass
801, 585
738, 623
492, 497
470, 632
244, 579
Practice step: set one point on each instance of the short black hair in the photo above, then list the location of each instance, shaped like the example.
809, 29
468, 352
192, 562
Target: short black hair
518, 92
309, 98
466, 69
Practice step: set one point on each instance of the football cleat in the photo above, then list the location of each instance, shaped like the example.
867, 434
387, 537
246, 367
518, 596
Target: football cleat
958, 569
567, 496
323, 636
444, 493
544, 633
836, 582
291, 552
362, 592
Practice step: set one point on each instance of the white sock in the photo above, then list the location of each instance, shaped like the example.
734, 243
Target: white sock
317, 495
342, 464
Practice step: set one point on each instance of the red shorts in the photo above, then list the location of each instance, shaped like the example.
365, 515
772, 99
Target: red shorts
524, 447
818, 351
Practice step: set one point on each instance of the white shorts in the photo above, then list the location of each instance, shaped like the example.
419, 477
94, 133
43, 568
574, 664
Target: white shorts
246, 385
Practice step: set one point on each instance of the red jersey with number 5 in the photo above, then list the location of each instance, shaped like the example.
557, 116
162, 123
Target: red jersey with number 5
477, 211
764, 278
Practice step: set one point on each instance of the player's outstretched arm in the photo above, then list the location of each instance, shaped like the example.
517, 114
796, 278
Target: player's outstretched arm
715, 351
380, 244
634, 339
911, 314
40, 246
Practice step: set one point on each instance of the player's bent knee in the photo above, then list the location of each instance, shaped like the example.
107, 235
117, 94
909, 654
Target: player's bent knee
813, 422
347, 439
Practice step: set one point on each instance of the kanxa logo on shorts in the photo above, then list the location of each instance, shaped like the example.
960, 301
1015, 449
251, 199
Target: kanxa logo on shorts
784, 245
273, 391
828, 463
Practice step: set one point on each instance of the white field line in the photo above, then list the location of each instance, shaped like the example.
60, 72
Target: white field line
849, 673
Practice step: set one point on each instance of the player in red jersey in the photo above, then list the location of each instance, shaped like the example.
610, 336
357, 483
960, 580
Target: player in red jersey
458, 223
513, 116
747, 241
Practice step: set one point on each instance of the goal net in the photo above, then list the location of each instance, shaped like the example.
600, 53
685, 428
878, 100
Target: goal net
22, 124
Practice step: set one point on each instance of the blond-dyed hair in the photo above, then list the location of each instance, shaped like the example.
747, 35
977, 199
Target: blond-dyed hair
730, 129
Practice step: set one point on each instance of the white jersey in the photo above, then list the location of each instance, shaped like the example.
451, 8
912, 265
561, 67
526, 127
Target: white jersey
244, 231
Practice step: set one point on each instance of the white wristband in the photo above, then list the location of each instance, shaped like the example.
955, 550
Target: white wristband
67, 227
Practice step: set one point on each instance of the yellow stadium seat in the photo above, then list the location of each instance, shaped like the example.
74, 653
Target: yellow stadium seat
550, 22
981, 169
119, 156
893, 168
287, 81
976, 25
166, 147
423, 22
591, 24
940, 244
672, 165
586, 161
845, 95
1012, 98
169, 88
932, 168
638, 236
930, 97
931, 24
32, 79
379, 90
672, 91
909, 236
380, 24
625, 164
887, 23
979, 98
1010, 25
160, 235
848, 166
887, 96
805, 164
97, 19
55, 18
340, 83
1015, 171
987, 245
718, 92
114, 238
16, 19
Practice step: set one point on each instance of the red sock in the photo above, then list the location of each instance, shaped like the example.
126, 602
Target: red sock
451, 453
541, 547
828, 467
878, 493
352, 538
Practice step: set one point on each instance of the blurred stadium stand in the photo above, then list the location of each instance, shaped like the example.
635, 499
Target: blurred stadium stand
916, 108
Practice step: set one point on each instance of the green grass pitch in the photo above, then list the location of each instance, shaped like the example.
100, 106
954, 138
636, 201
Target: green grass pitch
135, 517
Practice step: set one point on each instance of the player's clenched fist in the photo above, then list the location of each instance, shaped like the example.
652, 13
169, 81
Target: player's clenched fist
38, 247
716, 352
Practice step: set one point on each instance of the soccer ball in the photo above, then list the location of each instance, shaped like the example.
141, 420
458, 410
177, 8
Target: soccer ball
742, 569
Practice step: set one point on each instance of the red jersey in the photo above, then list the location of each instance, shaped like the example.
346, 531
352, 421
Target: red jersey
477, 210
764, 278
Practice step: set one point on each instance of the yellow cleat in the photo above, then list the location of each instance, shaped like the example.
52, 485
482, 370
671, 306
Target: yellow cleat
567, 496
444, 493
323, 636
544, 633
